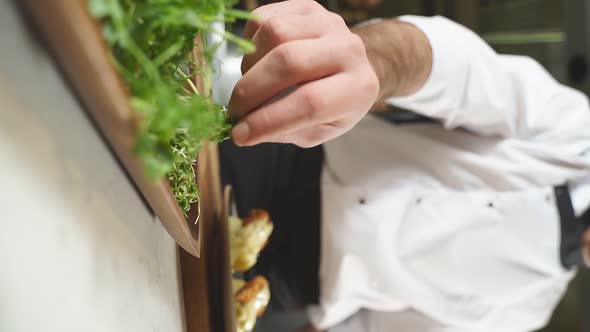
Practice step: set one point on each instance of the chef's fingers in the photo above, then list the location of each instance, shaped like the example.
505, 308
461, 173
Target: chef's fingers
262, 13
318, 102
288, 65
310, 137
280, 29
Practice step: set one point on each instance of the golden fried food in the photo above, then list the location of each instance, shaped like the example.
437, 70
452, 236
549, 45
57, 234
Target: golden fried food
237, 284
251, 300
248, 237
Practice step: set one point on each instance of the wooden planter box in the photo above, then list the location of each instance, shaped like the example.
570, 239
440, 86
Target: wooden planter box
76, 41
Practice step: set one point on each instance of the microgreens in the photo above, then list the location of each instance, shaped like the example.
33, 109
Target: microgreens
151, 43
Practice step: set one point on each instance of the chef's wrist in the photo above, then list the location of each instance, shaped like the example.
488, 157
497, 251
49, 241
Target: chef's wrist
400, 54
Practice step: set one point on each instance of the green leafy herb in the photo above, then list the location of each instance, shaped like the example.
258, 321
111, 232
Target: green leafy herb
151, 42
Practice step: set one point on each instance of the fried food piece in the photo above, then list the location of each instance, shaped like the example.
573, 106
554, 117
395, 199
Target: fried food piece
237, 284
251, 300
248, 237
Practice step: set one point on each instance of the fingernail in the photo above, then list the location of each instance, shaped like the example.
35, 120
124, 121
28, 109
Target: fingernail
240, 133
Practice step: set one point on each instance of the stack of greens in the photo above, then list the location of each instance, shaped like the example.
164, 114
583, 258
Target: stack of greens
151, 43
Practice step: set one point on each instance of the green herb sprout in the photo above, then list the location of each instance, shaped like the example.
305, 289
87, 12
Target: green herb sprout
151, 43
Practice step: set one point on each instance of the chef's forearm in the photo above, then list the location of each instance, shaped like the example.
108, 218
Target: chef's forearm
400, 54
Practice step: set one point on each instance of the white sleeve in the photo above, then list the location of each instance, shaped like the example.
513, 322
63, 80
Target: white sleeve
401, 321
473, 87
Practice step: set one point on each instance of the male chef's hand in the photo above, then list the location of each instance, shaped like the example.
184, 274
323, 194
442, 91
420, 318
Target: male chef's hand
300, 44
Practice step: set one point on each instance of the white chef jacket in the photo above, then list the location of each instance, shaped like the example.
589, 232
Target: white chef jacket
455, 222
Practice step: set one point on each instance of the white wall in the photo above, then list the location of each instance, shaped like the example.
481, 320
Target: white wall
79, 250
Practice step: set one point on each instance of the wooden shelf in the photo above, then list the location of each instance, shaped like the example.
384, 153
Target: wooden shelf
207, 281
75, 39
